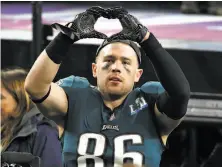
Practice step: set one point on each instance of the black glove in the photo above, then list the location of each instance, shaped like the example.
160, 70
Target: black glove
116, 12
83, 25
132, 29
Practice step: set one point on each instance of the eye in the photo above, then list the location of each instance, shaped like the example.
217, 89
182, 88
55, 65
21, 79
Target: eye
109, 61
126, 62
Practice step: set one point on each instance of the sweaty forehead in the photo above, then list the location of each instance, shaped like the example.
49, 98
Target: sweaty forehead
118, 49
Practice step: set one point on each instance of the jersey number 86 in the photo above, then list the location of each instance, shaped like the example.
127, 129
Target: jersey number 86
100, 143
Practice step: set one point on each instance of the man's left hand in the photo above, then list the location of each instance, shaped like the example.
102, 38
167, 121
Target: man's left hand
132, 29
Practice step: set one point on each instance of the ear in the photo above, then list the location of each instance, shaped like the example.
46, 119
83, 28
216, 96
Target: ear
139, 73
94, 70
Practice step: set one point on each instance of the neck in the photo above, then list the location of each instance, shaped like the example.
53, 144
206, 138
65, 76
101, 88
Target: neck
111, 102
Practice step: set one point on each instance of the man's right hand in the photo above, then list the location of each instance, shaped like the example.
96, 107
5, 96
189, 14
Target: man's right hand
83, 25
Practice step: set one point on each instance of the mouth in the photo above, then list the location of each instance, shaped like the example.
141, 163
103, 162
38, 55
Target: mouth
115, 79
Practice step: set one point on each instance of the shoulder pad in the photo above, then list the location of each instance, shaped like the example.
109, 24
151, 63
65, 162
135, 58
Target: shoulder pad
74, 82
152, 87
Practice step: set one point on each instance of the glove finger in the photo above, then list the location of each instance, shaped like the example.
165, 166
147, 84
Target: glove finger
65, 30
118, 9
129, 22
96, 11
100, 35
118, 36
116, 12
94, 34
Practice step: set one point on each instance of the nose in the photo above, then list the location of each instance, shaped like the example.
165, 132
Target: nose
116, 67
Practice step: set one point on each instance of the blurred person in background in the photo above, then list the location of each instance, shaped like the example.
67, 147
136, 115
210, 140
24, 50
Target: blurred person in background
23, 128
210, 7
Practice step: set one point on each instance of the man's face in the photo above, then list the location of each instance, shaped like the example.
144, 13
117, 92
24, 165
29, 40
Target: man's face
116, 69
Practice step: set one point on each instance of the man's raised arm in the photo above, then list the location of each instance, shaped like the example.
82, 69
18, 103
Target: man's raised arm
49, 97
171, 105
39, 84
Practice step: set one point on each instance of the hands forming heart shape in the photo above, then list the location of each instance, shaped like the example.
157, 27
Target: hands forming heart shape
83, 25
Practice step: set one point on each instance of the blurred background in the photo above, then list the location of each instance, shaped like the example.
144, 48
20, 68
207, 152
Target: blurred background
190, 31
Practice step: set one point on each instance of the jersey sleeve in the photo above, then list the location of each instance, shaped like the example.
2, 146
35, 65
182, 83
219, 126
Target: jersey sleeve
71, 94
71, 86
152, 91
74, 82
